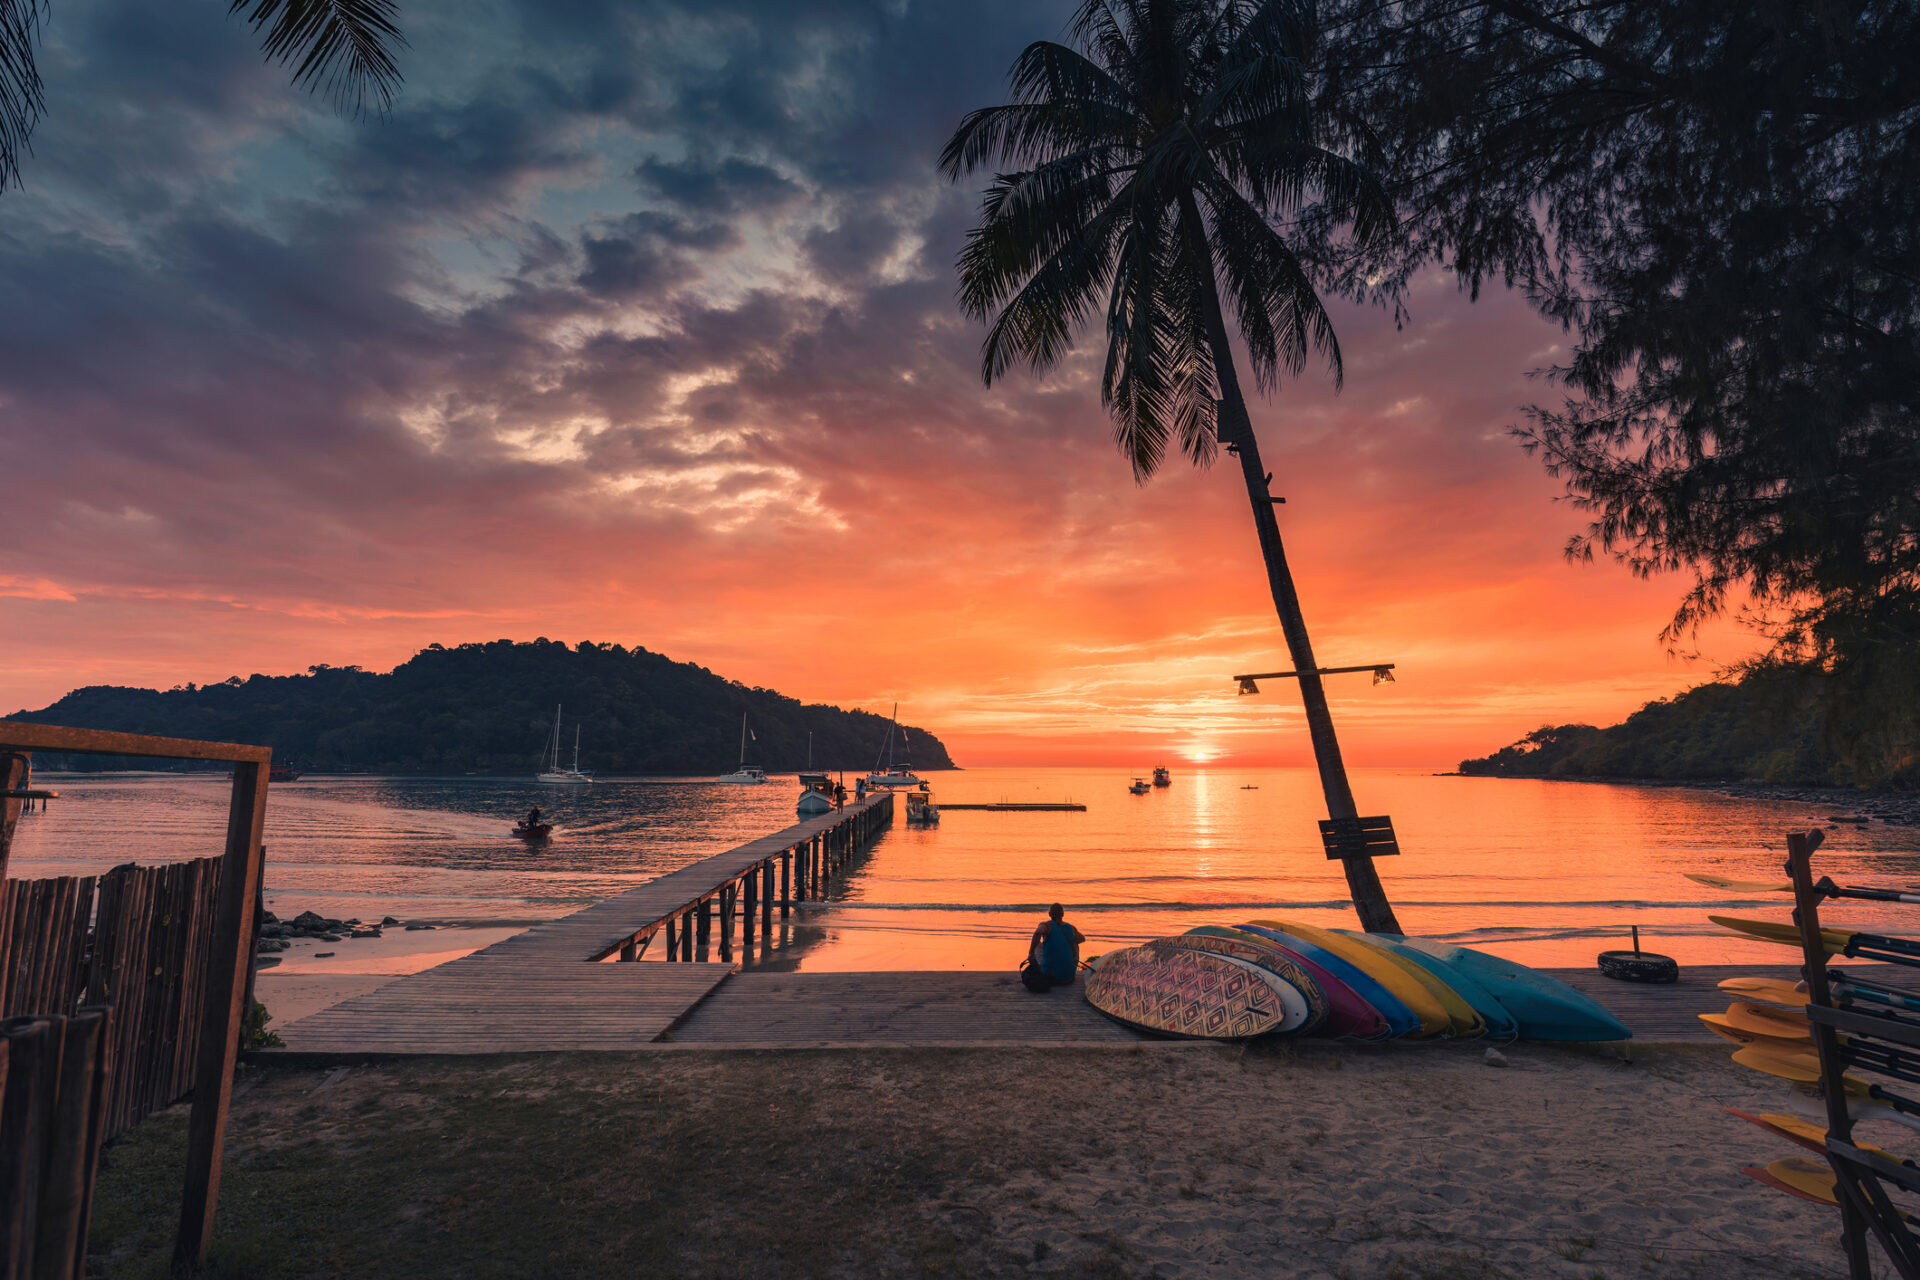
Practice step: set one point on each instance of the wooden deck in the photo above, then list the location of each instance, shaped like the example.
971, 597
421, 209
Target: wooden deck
540, 990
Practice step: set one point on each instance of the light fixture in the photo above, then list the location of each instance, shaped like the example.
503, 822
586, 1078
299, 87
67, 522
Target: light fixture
1248, 686
1383, 675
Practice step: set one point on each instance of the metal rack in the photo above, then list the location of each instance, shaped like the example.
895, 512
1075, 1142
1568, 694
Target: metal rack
1869, 1025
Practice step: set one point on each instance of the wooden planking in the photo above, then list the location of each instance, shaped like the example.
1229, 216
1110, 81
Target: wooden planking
907, 1007
492, 1007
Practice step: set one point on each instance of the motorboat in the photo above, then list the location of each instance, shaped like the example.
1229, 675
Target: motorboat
281, 773
746, 774
1140, 786
892, 776
816, 795
1162, 778
554, 772
535, 831
921, 810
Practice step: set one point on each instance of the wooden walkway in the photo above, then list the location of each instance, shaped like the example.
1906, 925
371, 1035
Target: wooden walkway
539, 990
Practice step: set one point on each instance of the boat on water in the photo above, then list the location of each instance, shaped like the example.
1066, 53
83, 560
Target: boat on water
746, 774
816, 791
281, 773
534, 831
1162, 778
554, 772
1140, 786
893, 776
921, 810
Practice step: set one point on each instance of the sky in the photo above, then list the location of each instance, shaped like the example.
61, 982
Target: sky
636, 323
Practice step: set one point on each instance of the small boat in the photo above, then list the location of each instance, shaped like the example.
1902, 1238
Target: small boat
1161, 778
816, 795
746, 774
1249, 788
538, 831
893, 776
281, 773
1140, 786
921, 810
554, 773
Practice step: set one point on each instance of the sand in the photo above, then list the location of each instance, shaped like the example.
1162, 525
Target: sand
1319, 1161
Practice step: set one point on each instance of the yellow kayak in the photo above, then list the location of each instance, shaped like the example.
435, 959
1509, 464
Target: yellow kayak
1382, 968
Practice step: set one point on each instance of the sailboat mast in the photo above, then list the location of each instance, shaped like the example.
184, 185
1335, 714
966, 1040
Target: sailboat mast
556, 738
743, 739
576, 748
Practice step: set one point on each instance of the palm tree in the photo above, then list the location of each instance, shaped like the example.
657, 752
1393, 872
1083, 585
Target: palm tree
1150, 164
344, 48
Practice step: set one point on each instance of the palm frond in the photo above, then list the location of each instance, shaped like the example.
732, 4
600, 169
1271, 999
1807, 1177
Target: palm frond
1273, 294
342, 48
22, 98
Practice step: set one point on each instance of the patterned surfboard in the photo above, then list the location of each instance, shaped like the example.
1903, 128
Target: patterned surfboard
1177, 991
1253, 952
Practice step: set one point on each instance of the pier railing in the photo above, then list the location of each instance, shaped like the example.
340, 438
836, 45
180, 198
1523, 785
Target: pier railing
798, 872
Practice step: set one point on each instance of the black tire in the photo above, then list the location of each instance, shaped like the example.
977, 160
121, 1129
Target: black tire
1641, 966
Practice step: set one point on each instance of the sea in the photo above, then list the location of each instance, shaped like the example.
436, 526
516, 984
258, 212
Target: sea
1548, 873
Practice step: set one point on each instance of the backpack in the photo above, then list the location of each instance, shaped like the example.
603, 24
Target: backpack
1034, 978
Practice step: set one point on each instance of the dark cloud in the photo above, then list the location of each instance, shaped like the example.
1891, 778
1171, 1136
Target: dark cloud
732, 185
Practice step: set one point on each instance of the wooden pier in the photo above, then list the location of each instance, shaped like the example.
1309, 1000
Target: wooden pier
1065, 806
542, 990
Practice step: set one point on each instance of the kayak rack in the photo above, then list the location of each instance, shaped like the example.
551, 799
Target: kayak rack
1868, 1025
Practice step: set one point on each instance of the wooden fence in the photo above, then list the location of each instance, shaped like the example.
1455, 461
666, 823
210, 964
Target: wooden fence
53, 1079
146, 955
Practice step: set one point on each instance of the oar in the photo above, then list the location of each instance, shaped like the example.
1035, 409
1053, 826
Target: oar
1854, 987
1859, 1105
1804, 1068
1826, 887
1718, 1024
1777, 990
1797, 1176
1802, 1132
1837, 942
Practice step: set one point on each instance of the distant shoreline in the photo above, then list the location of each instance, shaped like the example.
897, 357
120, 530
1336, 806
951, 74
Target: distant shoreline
1893, 807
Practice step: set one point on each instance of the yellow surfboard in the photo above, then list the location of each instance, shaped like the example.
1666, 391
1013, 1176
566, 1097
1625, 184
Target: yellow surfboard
1383, 969
1463, 1019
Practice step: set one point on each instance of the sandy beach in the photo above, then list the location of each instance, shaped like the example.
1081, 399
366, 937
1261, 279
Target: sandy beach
1316, 1161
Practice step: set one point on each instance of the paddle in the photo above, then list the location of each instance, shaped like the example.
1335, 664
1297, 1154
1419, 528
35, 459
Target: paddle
1826, 887
1859, 1106
1797, 1177
1803, 1133
1837, 942
1778, 990
1804, 1068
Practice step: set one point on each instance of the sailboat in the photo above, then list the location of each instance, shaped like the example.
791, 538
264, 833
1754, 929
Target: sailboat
551, 757
746, 773
892, 776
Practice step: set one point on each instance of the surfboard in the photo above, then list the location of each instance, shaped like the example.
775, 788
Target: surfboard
1383, 968
1251, 951
1348, 1013
1546, 1008
1400, 1020
1177, 991
1463, 1020
1493, 1015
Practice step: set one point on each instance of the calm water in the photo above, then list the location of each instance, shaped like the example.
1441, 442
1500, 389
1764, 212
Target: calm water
1548, 873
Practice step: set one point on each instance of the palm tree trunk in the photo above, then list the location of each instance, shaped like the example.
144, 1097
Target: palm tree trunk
1236, 428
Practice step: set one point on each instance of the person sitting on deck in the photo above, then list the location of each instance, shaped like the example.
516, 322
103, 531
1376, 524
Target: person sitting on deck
1056, 947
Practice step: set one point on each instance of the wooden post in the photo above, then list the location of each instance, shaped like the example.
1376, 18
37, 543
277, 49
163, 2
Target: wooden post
786, 884
14, 774
752, 885
673, 940
223, 1017
766, 898
630, 950
686, 936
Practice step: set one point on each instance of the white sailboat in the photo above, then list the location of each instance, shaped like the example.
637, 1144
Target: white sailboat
892, 776
746, 774
551, 758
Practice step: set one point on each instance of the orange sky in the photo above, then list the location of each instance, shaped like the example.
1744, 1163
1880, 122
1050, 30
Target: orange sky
664, 351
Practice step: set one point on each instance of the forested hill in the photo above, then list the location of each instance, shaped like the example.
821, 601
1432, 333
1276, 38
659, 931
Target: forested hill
488, 708
1778, 725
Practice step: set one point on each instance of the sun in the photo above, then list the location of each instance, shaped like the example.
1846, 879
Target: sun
1200, 752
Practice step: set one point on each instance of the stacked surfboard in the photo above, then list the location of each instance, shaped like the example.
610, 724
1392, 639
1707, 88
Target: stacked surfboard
1281, 978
